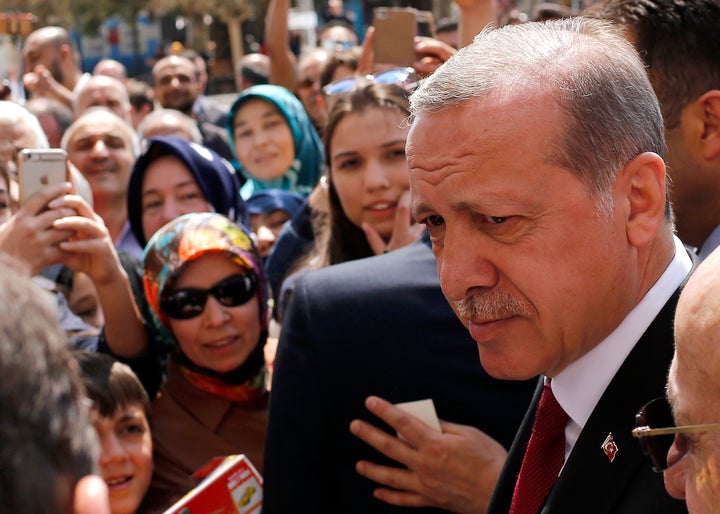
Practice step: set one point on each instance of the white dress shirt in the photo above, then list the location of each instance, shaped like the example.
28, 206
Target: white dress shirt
579, 386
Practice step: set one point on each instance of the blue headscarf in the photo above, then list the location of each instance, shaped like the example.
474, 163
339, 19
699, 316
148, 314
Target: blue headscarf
306, 168
218, 181
269, 200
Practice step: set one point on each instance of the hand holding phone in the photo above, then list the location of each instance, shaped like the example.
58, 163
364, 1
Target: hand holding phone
39, 168
395, 30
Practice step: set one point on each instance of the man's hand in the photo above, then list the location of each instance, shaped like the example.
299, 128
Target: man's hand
431, 54
40, 82
454, 470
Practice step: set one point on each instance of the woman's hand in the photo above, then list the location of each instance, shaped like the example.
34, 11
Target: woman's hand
404, 230
90, 249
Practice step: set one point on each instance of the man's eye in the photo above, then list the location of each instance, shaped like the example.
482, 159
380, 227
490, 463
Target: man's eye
497, 220
433, 221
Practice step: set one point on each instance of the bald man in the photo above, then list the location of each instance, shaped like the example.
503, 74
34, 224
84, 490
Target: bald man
52, 64
694, 393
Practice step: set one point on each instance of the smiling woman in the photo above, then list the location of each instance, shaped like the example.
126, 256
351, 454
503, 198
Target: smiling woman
206, 290
274, 141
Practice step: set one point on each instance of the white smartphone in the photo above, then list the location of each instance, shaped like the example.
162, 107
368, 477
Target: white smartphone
39, 168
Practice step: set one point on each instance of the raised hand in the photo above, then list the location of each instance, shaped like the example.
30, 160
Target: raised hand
404, 230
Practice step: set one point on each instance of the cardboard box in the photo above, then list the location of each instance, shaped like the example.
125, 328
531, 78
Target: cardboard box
232, 485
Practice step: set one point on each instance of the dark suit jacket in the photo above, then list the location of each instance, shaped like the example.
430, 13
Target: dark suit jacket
208, 111
376, 326
589, 483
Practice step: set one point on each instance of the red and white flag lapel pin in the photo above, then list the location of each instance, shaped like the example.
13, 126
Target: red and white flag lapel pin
609, 447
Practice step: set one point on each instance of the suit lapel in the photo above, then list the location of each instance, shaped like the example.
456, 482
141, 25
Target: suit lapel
589, 478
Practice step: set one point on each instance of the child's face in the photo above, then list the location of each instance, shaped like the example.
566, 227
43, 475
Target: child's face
125, 456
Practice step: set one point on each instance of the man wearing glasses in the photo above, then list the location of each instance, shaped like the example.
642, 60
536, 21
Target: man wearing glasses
689, 454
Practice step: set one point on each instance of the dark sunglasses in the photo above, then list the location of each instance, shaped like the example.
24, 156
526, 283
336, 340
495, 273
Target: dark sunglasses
190, 302
401, 76
656, 432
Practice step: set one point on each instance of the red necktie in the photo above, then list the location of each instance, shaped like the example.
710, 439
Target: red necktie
544, 456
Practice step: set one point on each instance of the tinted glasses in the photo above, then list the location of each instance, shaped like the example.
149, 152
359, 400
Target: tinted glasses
401, 76
656, 431
190, 302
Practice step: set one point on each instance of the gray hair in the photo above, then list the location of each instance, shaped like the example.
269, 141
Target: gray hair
594, 75
15, 114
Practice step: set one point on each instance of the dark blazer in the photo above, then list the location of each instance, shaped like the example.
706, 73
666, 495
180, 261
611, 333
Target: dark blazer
589, 483
376, 326
209, 111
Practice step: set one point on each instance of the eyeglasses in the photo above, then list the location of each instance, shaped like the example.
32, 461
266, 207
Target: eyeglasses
657, 433
190, 302
402, 76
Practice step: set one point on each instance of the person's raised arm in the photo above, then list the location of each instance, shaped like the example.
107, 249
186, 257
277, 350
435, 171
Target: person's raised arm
455, 469
282, 61
40, 82
475, 15
91, 251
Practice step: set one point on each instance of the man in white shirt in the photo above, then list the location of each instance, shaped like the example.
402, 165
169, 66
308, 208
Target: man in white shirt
536, 164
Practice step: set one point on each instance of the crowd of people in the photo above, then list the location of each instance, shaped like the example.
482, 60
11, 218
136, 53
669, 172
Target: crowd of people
522, 230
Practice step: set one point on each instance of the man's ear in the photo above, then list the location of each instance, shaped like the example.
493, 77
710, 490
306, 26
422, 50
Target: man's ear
65, 52
642, 186
708, 107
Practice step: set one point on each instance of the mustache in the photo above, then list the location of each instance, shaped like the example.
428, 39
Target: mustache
488, 305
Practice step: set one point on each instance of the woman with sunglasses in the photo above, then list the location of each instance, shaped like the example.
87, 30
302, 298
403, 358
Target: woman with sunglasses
274, 141
205, 285
171, 177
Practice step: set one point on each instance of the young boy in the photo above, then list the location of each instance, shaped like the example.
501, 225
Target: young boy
120, 413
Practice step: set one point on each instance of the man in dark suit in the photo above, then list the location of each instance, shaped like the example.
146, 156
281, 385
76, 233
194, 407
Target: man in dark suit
373, 326
536, 164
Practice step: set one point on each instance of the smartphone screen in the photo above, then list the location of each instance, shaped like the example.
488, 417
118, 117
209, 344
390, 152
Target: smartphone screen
39, 168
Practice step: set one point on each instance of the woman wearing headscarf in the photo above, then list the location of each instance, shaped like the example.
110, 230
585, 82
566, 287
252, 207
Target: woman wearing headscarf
274, 141
208, 299
171, 177
156, 193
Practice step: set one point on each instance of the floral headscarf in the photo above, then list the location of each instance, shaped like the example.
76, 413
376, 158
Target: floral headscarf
306, 168
184, 240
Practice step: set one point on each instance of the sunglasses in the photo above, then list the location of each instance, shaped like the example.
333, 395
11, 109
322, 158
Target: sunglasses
401, 76
657, 433
190, 302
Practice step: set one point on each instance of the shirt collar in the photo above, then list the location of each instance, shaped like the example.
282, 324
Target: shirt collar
596, 369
